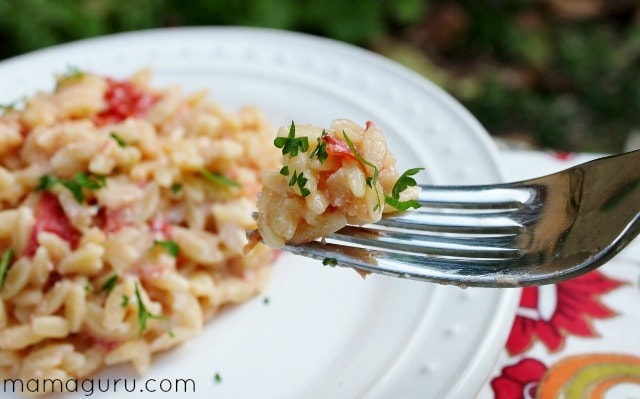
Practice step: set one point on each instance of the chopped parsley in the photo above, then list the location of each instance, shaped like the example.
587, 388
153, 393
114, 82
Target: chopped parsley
217, 378
118, 139
110, 283
329, 261
371, 180
11, 105
175, 187
46, 183
266, 300
144, 315
284, 171
75, 184
320, 151
170, 246
403, 182
7, 257
125, 301
90, 182
301, 181
291, 144
71, 73
87, 287
220, 180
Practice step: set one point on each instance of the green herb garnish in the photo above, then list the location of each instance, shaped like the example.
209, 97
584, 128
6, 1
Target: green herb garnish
87, 287
144, 315
90, 182
284, 171
403, 182
118, 139
71, 73
291, 144
300, 180
110, 283
217, 378
329, 261
7, 257
371, 180
294, 178
11, 105
80, 181
320, 151
170, 246
75, 188
218, 179
75, 184
266, 300
46, 183
175, 187
125, 301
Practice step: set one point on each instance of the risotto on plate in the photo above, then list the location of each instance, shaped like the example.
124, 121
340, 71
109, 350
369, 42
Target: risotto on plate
123, 217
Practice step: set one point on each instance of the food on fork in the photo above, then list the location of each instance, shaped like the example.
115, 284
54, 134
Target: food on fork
330, 178
123, 218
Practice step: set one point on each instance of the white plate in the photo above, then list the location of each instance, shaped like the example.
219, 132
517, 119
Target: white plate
325, 333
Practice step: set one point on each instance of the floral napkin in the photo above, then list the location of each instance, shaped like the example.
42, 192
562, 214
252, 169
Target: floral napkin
575, 339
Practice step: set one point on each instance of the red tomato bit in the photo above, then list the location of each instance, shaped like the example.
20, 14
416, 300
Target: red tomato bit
50, 217
159, 225
337, 147
124, 99
113, 220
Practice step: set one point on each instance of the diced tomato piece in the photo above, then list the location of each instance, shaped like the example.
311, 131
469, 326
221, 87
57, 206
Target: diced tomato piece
275, 254
337, 147
159, 225
50, 217
112, 220
112, 224
367, 125
92, 339
150, 271
562, 155
124, 99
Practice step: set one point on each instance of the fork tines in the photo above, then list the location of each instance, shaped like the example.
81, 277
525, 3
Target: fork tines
456, 228
473, 198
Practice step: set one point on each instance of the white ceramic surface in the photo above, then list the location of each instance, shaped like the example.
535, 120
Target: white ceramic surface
325, 333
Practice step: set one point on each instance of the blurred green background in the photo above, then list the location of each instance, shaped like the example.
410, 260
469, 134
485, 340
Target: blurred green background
559, 74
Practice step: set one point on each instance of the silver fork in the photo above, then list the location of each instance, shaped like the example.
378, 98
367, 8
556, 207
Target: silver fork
532, 232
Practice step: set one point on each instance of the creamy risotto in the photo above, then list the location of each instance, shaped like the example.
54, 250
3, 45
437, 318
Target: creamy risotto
123, 216
330, 178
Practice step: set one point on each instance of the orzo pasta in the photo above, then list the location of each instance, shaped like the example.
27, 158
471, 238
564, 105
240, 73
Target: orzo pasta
123, 216
330, 178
